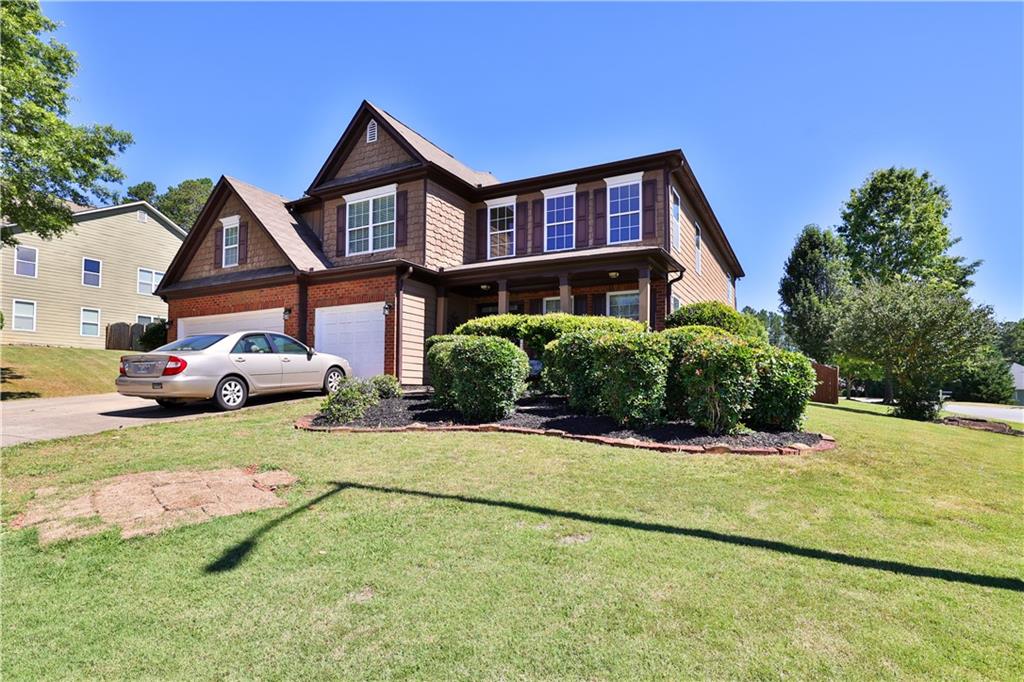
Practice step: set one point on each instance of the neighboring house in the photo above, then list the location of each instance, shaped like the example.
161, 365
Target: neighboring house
1018, 383
396, 240
105, 269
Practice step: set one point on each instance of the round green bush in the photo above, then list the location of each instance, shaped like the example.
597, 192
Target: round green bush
349, 402
540, 330
386, 386
720, 315
439, 366
488, 376
569, 370
785, 383
507, 326
712, 375
153, 336
439, 338
631, 370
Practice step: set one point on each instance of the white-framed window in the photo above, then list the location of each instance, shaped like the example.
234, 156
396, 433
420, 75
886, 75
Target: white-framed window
696, 246
26, 261
560, 218
730, 290
676, 303
90, 322
147, 319
92, 272
624, 208
24, 316
676, 216
370, 220
371, 131
501, 227
142, 216
229, 246
148, 280
553, 304
624, 304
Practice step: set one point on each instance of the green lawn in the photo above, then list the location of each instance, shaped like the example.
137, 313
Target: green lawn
50, 372
505, 556
878, 408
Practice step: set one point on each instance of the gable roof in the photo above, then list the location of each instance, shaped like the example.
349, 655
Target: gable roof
419, 147
81, 214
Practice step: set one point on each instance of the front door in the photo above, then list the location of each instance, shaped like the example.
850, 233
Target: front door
299, 369
254, 357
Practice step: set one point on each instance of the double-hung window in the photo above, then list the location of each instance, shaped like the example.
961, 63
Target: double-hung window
553, 304
91, 272
24, 316
501, 227
677, 218
26, 261
624, 208
229, 254
624, 304
370, 217
696, 246
148, 280
730, 291
147, 319
90, 322
560, 218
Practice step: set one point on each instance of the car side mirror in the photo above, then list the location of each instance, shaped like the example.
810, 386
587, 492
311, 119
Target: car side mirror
309, 353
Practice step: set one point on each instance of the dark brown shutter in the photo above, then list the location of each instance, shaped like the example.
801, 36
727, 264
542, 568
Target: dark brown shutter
600, 219
218, 247
522, 230
582, 216
243, 242
597, 305
538, 226
339, 244
579, 305
481, 234
648, 217
536, 306
401, 222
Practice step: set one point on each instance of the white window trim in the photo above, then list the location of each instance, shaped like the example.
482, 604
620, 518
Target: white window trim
228, 223
553, 193
572, 301
153, 285
730, 289
16, 261
677, 303
35, 313
99, 322
675, 225
100, 273
608, 301
698, 248
370, 195
138, 321
618, 181
501, 203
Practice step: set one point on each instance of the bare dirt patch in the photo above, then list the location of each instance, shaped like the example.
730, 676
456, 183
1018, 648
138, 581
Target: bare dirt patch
574, 539
147, 503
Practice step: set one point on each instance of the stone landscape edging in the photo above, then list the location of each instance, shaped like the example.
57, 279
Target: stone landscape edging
826, 443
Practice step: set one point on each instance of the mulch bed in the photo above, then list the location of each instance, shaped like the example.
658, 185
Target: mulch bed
982, 425
552, 416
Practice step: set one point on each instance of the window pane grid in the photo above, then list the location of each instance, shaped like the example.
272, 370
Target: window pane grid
501, 226
624, 213
624, 305
560, 220
371, 224
25, 261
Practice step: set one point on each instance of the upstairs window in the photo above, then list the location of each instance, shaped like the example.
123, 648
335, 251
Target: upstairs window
229, 249
677, 218
371, 220
624, 208
624, 304
560, 218
148, 281
26, 260
91, 272
371, 132
501, 223
730, 291
696, 246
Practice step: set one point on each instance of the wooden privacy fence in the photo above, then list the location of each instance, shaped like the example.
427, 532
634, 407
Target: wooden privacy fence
124, 336
827, 389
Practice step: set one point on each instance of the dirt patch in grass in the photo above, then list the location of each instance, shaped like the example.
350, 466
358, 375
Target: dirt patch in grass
147, 503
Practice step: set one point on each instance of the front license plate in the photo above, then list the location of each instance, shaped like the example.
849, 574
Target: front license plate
158, 385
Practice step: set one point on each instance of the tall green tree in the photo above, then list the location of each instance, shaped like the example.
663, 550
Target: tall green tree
774, 323
985, 378
919, 333
813, 285
894, 226
144, 191
1011, 341
44, 159
183, 202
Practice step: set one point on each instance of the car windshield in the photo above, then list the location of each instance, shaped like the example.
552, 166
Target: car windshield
200, 342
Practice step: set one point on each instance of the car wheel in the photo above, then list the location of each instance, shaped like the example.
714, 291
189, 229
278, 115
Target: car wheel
231, 393
164, 402
332, 380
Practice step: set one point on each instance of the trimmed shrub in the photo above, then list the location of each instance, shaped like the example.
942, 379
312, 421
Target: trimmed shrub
439, 364
349, 402
712, 375
720, 315
439, 338
630, 370
153, 336
785, 383
507, 326
386, 386
488, 375
569, 370
540, 330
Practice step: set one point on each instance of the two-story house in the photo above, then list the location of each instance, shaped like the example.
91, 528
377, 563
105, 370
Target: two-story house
105, 269
396, 240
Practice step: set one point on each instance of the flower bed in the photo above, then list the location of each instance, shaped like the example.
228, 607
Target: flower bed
552, 417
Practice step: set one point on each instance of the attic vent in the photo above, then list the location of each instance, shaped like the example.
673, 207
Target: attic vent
141, 216
371, 132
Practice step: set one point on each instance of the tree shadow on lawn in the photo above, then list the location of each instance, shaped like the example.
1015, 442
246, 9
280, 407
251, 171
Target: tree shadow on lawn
236, 554
843, 408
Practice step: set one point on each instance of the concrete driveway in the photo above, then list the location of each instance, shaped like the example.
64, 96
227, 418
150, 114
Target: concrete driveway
984, 411
24, 421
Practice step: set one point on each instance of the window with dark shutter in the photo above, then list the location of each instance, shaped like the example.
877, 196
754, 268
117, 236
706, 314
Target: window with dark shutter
339, 244
401, 223
600, 219
582, 218
538, 226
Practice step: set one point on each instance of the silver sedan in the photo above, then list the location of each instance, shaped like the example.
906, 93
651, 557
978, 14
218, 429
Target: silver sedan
229, 368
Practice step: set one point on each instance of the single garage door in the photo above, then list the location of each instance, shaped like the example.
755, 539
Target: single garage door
356, 333
268, 319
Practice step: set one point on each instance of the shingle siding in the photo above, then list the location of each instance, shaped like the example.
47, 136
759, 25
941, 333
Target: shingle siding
263, 251
411, 251
372, 157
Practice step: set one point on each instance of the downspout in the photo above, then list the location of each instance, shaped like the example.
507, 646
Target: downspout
399, 288
668, 291
303, 306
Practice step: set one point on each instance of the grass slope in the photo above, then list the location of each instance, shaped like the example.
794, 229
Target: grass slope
50, 372
505, 556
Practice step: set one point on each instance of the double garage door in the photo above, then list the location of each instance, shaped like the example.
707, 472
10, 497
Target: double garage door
355, 332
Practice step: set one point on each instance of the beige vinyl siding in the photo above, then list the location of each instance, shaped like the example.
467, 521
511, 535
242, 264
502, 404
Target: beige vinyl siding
122, 243
711, 284
419, 313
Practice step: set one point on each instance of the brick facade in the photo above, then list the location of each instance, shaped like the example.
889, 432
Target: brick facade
347, 292
283, 296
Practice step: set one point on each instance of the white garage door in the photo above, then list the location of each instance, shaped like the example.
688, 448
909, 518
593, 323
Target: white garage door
268, 319
356, 333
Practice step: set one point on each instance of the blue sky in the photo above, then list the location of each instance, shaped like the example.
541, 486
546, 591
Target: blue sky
780, 108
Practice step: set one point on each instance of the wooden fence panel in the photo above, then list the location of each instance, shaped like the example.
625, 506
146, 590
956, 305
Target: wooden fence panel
119, 336
827, 390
